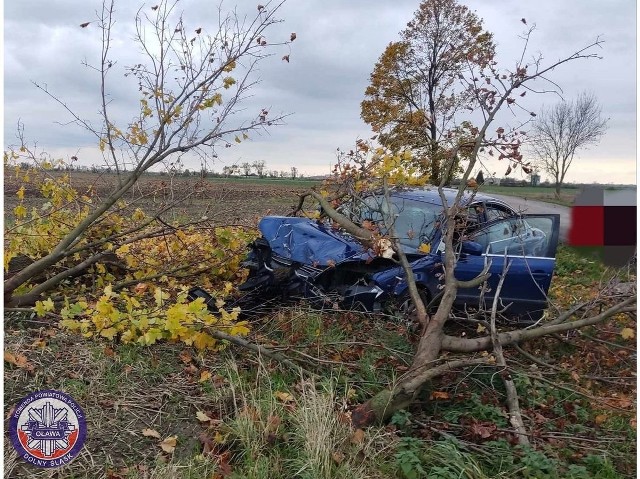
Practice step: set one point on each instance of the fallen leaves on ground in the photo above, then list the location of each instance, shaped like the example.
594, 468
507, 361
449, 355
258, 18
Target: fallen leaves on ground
169, 444
151, 433
284, 397
628, 333
357, 437
202, 417
18, 360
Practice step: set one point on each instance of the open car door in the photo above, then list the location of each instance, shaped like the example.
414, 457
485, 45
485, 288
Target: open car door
528, 244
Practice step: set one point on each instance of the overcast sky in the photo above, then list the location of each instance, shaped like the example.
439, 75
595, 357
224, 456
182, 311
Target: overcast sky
337, 45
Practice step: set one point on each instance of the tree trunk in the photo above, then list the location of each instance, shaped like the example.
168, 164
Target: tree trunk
424, 366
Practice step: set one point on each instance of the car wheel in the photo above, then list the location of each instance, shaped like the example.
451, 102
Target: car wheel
407, 309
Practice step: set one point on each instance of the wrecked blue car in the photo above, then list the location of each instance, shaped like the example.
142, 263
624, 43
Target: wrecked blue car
306, 258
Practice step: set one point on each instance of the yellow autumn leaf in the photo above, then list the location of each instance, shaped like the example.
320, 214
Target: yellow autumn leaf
169, 444
203, 340
600, 418
202, 417
239, 329
628, 333
424, 248
109, 333
20, 193
42, 307
151, 433
151, 336
284, 397
204, 376
20, 211
138, 215
128, 336
160, 297
48, 305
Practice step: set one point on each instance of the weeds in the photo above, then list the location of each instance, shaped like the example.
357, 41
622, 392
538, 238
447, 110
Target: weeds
267, 422
301, 433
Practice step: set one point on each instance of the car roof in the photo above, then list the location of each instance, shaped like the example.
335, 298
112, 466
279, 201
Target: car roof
430, 194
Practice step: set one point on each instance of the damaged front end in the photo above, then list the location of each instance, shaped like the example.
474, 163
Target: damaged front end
298, 258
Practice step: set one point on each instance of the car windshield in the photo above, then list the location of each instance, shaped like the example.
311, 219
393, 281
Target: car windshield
415, 223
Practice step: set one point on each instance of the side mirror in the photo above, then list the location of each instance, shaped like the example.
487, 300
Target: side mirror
471, 248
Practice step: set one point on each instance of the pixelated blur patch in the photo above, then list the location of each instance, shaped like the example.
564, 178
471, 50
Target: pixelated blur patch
605, 220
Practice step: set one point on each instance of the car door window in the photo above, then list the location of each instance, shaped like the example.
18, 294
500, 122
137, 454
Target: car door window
496, 212
415, 222
504, 237
516, 236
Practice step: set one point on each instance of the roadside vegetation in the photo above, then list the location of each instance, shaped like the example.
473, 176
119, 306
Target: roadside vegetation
237, 415
566, 197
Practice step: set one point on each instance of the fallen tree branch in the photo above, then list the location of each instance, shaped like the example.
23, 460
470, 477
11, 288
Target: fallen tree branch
388, 401
535, 360
602, 379
477, 281
260, 350
465, 345
580, 393
513, 404
32, 296
362, 234
608, 343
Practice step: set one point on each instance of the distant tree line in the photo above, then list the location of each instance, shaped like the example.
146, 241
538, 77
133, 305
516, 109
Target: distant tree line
255, 169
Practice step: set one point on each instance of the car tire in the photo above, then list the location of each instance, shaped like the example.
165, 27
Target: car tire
405, 307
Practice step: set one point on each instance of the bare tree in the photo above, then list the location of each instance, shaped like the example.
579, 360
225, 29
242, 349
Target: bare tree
192, 81
560, 131
259, 166
294, 172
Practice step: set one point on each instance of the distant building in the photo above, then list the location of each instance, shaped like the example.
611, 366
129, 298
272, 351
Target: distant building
535, 179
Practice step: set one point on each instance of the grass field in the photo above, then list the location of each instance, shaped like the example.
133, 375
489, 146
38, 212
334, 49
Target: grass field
540, 193
238, 415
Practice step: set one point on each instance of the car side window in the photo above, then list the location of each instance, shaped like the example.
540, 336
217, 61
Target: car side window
496, 212
502, 236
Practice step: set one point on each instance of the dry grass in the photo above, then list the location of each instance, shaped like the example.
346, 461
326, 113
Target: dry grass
121, 390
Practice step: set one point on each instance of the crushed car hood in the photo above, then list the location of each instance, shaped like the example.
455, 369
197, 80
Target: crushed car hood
308, 241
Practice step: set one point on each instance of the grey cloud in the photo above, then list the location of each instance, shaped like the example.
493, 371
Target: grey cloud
330, 62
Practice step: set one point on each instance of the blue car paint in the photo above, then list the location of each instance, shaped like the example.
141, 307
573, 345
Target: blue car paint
310, 242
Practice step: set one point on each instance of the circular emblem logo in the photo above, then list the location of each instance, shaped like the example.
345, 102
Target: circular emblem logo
48, 428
